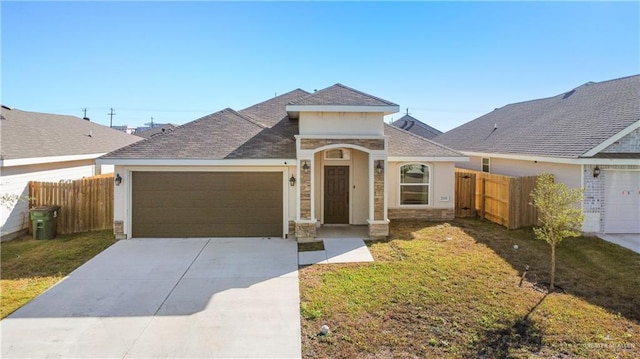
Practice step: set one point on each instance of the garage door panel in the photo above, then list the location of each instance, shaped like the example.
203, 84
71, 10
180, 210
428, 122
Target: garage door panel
207, 204
622, 202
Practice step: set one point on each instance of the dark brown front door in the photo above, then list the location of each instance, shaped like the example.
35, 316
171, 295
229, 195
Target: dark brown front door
336, 195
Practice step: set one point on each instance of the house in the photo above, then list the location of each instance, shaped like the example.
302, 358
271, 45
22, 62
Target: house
415, 126
47, 147
282, 168
588, 137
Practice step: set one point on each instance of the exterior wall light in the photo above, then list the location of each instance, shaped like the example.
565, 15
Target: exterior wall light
305, 167
596, 171
118, 179
292, 181
379, 167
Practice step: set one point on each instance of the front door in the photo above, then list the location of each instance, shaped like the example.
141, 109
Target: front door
336, 195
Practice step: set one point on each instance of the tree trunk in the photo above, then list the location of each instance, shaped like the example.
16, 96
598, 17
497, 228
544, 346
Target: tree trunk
552, 284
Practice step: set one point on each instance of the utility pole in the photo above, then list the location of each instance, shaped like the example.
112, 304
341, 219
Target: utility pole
151, 122
111, 114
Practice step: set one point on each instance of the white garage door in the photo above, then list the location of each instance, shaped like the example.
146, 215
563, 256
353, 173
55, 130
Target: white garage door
622, 202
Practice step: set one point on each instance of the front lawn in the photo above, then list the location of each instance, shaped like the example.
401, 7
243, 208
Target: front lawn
29, 266
452, 290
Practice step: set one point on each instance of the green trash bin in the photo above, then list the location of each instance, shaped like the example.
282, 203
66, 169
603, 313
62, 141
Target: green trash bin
45, 221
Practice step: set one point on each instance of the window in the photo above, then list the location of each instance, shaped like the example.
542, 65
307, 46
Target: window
414, 184
486, 165
336, 154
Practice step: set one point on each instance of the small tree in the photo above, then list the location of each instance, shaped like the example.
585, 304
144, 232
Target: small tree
557, 213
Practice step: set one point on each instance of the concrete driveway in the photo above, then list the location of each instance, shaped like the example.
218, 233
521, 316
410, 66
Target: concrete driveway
168, 298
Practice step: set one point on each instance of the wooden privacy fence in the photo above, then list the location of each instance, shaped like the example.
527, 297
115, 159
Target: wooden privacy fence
85, 204
499, 199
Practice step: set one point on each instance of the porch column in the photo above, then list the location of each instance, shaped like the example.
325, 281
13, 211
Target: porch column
305, 221
378, 222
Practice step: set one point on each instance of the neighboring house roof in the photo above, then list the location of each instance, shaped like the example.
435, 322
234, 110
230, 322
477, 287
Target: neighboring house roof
261, 131
406, 144
155, 131
567, 125
34, 135
415, 126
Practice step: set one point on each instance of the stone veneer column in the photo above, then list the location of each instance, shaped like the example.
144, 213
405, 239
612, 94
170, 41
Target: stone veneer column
379, 225
305, 225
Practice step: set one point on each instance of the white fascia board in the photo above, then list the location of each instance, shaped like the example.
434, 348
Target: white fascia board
611, 140
196, 162
563, 160
427, 159
50, 159
387, 110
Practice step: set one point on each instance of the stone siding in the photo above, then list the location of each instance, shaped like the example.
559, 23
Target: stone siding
429, 214
292, 228
378, 230
305, 232
378, 194
313, 143
305, 192
627, 144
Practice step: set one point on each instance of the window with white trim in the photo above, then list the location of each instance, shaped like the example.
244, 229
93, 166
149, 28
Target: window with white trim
486, 164
414, 184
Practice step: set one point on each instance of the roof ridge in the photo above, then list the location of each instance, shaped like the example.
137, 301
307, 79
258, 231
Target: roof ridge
422, 138
282, 95
344, 87
365, 94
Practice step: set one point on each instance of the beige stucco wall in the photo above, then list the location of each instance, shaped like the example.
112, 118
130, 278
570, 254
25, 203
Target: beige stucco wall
442, 185
568, 174
341, 123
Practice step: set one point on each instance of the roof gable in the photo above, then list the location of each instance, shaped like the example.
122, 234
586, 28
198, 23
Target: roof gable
567, 125
415, 126
34, 135
340, 98
341, 95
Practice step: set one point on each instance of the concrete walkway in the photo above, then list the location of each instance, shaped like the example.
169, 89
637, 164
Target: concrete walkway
337, 250
170, 298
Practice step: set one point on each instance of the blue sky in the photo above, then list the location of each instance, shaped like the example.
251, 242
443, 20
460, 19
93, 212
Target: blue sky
448, 62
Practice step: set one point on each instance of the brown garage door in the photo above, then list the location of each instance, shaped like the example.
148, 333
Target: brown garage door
207, 204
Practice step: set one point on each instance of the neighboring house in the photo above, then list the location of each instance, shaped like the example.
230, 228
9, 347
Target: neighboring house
47, 147
409, 123
281, 168
588, 138
146, 132
126, 129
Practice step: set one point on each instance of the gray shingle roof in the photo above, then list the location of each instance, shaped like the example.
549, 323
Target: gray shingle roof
272, 111
155, 131
341, 95
261, 131
404, 143
31, 134
226, 134
566, 125
411, 124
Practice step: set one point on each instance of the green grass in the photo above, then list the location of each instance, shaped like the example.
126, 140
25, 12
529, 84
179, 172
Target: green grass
452, 290
29, 267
